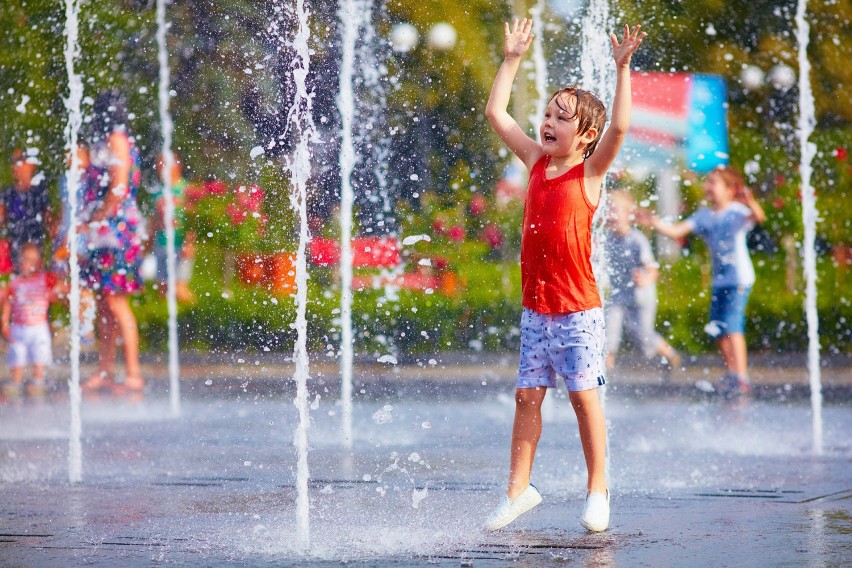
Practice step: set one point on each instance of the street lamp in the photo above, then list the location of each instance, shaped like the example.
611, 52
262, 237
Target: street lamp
442, 37
752, 77
782, 77
404, 37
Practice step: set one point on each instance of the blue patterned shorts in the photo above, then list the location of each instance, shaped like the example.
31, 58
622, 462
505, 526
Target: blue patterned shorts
568, 345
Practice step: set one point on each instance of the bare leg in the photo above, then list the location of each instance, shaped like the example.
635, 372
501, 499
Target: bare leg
592, 424
125, 324
727, 351
669, 353
740, 354
526, 433
108, 333
17, 374
38, 373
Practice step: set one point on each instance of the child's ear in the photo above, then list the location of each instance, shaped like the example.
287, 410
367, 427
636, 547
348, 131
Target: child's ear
589, 135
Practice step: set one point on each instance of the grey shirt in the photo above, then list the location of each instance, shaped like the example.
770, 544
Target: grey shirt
624, 254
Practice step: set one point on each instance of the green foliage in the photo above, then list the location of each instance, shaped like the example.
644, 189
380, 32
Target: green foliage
486, 314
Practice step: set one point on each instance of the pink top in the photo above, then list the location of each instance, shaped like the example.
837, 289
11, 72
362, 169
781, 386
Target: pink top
30, 298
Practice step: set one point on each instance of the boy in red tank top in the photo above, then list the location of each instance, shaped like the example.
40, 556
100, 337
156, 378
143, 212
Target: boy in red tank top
562, 330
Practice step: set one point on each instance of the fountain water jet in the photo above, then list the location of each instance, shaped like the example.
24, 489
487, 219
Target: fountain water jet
807, 121
373, 136
299, 166
540, 64
598, 75
72, 130
167, 127
597, 69
350, 13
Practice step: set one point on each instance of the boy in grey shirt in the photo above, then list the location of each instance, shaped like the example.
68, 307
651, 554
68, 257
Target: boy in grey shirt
633, 278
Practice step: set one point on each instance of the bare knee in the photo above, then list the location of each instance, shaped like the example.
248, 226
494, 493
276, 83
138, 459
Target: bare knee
529, 399
583, 401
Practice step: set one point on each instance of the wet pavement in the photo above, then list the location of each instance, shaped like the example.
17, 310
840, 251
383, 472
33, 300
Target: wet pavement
695, 480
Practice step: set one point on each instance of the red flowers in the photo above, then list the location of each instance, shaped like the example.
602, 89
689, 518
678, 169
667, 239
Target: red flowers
247, 202
250, 198
215, 187
840, 153
492, 235
456, 233
477, 205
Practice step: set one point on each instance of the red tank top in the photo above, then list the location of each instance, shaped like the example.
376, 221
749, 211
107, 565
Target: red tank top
556, 243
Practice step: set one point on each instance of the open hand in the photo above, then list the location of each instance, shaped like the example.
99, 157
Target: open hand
744, 195
645, 217
622, 52
518, 38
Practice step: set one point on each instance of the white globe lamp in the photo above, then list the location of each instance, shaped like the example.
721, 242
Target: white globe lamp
752, 77
442, 37
782, 77
404, 38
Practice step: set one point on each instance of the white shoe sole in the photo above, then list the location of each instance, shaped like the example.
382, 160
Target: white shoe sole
532, 502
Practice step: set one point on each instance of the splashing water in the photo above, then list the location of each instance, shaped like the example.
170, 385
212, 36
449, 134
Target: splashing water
72, 129
374, 134
598, 75
807, 121
539, 63
299, 166
167, 127
350, 14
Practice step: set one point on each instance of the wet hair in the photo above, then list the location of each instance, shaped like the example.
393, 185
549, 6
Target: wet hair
589, 111
108, 114
730, 176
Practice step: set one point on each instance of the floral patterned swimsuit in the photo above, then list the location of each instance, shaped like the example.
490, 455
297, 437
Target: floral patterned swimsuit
114, 246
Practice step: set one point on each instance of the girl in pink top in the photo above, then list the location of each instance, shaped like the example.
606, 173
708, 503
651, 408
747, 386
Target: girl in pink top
25, 321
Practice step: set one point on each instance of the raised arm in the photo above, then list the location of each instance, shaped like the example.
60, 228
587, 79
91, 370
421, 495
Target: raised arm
5, 314
516, 42
611, 141
674, 231
747, 198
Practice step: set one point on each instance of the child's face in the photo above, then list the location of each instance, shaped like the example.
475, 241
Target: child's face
23, 170
29, 261
716, 190
620, 215
558, 131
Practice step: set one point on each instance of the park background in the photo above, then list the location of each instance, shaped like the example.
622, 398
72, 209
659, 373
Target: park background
231, 93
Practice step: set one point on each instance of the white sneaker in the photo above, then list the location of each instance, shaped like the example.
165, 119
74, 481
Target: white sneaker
510, 509
596, 512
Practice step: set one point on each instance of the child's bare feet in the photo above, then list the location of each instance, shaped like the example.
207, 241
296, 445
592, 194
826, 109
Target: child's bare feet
99, 382
131, 384
36, 389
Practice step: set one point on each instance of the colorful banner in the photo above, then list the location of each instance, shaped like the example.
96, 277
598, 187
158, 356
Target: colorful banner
678, 119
